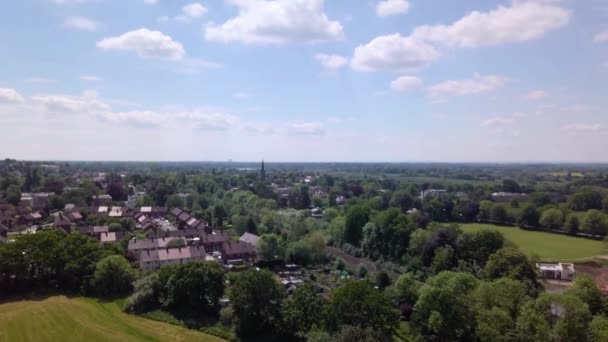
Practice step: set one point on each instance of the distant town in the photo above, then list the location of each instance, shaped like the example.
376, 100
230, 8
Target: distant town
224, 246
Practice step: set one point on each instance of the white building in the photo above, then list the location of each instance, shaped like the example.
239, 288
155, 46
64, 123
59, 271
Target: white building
557, 271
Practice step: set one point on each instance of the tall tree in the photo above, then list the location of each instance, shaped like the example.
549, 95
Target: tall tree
358, 304
356, 218
113, 275
257, 299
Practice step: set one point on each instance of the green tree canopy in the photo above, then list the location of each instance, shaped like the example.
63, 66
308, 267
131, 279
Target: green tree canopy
358, 304
257, 298
113, 275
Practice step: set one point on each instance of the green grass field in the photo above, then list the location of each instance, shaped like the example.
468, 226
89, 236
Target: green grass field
546, 245
82, 319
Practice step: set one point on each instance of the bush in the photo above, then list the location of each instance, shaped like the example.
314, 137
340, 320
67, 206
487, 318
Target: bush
226, 316
113, 275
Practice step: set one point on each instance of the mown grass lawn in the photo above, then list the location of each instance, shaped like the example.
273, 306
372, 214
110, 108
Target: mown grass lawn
60, 318
546, 245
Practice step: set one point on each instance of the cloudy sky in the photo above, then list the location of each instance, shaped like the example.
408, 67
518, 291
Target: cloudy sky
304, 80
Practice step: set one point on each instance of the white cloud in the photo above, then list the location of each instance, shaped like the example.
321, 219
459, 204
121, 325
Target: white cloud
497, 122
477, 84
305, 128
537, 95
146, 43
332, 62
276, 22
582, 127
523, 20
190, 12
404, 83
392, 7
9, 95
601, 37
90, 78
393, 52
81, 23
87, 103
194, 10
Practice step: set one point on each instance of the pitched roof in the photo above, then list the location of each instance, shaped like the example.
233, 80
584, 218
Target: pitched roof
184, 216
176, 212
249, 238
168, 254
231, 248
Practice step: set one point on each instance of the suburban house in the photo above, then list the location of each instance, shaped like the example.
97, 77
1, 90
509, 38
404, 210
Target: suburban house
508, 196
62, 222
110, 237
93, 231
234, 253
251, 239
439, 193
115, 212
316, 212
137, 246
215, 241
36, 201
557, 271
100, 200
340, 200
3, 233
154, 259
152, 211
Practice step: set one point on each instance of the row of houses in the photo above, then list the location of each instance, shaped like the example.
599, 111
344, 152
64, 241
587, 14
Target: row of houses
189, 245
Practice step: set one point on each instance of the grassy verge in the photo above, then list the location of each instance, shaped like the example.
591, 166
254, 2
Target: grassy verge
59, 318
547, 246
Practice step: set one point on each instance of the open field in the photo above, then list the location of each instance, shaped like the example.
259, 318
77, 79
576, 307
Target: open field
546, 245
60, 318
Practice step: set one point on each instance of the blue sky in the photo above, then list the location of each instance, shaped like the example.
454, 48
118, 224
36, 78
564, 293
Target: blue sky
304, 80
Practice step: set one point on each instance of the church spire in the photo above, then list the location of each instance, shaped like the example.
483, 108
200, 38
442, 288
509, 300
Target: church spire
263, 172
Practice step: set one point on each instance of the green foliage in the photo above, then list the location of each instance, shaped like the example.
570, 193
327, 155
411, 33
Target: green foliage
13, 194
145, 295
382, 280
356, 218
572, 224
552, 219
302, 310
50, 259
175, 201
257, 298
443, 260
176, 243
195, 285
227, 316
270, 247
476, 247
485, 209
586, 290
595, 223
115, 227
407, 288
113, 275
358, 304
387, 236
511, 263
444, 311
599, 329
585, 200
554, 317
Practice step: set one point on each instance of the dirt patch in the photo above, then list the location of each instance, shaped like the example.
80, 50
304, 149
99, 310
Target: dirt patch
597, 272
